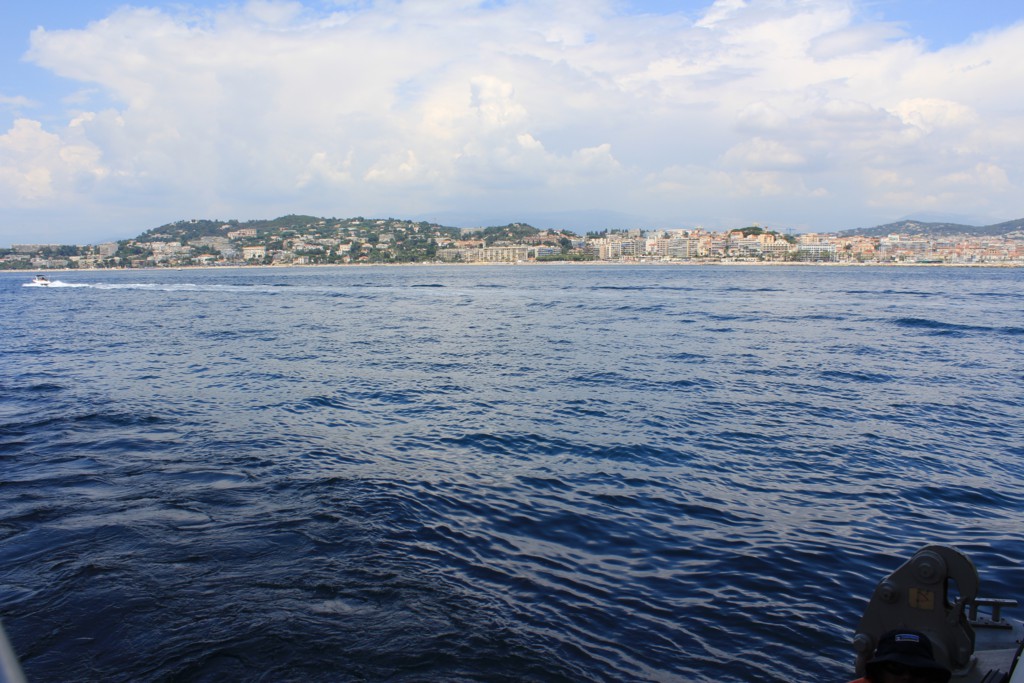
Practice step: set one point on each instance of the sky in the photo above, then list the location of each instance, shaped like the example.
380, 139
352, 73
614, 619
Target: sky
797, 115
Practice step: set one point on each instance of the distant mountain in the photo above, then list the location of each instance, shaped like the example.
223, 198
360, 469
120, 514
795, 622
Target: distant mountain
579, 222
912, 227
1015, 228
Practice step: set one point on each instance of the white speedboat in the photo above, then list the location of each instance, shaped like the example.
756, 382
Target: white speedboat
41, 280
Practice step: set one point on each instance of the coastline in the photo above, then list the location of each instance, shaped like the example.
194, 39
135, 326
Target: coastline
505, 264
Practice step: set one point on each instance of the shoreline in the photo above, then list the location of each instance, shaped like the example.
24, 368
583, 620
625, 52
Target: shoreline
475, 264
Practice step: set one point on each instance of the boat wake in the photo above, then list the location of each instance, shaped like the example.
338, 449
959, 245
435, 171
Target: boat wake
154, 287
53, 283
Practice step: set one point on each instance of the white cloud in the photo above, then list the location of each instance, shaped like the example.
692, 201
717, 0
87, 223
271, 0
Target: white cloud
761, 154
983, 177
16, 102
761, 116
494, 102
323, 168
38, 166
423, 106
719, 11
929, 114
852, 40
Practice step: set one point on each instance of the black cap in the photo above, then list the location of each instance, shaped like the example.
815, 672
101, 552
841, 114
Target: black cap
912, 649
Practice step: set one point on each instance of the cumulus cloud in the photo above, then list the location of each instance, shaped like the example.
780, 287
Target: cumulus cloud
929, 113
39, 166
410, 107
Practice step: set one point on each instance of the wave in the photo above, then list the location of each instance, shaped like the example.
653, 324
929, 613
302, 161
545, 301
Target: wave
938, 326
945, 328
870, 377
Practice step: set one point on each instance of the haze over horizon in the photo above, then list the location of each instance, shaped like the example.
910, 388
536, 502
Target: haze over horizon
803, 115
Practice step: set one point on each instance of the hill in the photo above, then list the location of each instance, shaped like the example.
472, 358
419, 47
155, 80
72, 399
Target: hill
185, 231
940, 230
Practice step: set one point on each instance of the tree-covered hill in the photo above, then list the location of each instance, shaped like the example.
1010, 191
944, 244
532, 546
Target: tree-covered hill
513, 232
936, 230
183, 231
187, 230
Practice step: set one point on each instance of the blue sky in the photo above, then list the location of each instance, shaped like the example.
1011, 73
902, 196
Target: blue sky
806, 115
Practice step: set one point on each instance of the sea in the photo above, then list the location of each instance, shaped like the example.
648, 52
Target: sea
495, 473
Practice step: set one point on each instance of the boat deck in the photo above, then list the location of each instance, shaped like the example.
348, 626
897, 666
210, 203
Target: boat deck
996, 644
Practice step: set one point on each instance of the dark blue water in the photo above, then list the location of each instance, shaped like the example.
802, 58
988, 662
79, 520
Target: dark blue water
496, 473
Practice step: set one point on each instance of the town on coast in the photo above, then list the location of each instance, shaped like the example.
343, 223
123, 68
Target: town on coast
307, 240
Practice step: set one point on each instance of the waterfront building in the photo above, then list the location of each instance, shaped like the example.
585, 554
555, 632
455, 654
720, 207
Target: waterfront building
258, 252
817, 252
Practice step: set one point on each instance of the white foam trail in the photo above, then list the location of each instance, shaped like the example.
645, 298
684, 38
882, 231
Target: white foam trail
54, 283
157, 287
